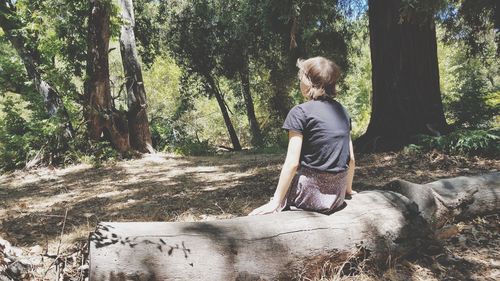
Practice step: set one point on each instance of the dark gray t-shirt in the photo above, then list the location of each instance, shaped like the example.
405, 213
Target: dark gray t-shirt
325, 126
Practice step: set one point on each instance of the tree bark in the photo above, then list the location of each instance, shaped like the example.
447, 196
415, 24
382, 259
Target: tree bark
222, 105
138, 125
103, 120
257, 139
405, 77
274, 247
280, 102
31, 59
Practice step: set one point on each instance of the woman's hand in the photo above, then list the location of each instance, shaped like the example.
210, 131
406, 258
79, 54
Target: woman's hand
349, 194
268, 208
286, 175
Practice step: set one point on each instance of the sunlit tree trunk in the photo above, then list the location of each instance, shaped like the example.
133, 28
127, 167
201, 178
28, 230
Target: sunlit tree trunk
222, 105
405, 77
12, 26
247, 96
103, 120
138, 125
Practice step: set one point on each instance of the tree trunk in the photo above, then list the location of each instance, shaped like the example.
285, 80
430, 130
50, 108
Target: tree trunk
222, 105
405, 76
103, 120
247, 96
138, 125
54, 106
277, 246
280, 102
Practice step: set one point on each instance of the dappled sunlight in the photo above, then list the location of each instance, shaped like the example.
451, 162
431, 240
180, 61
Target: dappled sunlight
165, 188
114, 193
158, 187
182, 189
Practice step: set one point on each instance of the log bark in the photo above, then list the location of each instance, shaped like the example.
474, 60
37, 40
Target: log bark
103, 119
138, 124
30, 57
272, 247
405, 76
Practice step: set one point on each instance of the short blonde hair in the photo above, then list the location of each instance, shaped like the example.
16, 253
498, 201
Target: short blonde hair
320, 75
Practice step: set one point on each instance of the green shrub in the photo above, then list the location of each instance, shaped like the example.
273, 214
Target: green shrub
412, 149
465, 142
23, 139
93, 153
193, 148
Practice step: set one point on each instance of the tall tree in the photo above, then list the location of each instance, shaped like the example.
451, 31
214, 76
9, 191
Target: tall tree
138, 125
244, 75
295, 29
192, 37
103, 119
238, 37
405, 77
12, 27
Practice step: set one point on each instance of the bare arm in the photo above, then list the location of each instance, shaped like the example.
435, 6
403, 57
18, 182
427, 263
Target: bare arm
287, 173
350, 171
290, 166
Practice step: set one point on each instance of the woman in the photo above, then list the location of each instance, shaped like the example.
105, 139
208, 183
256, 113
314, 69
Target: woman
319, 165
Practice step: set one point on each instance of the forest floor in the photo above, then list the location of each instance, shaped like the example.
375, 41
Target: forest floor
49, 212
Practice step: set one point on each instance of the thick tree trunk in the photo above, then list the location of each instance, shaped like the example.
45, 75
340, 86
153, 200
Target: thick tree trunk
257, 139
405, 76
227, 120
280, 102
31, 59
274, 247
103, 120
138, 125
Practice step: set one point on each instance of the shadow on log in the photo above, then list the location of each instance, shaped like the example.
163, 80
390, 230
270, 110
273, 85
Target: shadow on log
393, 221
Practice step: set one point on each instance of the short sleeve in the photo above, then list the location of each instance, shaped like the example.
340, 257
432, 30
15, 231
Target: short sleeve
348, 118
295, 120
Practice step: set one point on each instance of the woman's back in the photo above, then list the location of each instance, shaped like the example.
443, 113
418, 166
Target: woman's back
325, 126
319, 165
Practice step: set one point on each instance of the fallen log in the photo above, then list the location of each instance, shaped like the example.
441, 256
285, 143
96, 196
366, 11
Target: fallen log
390, 221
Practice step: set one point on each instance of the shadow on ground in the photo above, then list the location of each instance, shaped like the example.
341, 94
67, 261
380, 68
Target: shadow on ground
167, 188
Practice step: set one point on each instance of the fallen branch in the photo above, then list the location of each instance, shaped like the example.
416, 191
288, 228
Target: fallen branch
385, 223
57, 258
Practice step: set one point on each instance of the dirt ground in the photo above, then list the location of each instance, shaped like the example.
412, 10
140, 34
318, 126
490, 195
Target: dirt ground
47, 212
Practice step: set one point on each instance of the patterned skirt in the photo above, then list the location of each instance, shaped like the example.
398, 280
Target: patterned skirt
318, 191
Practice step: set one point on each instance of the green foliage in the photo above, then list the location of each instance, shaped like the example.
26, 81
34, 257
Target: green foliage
463, 142
64, 23
147, 30
207, 40
163, 134
356, 89
471, 23
412, 150
13, 127
469, 85
194, 148
190, 46
11, 68
96, 154
24, 137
